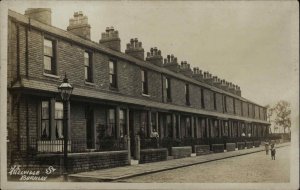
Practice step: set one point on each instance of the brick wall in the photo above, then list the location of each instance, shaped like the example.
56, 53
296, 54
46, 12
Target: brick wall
251, 111
78, 121
177, 91
181, 152
238, 110
208, 99
230, 147
217, 148
87, 161
245, 109
153, 155
240, 145
202, 149
249, 144
229, 104
219, 101
256, 108
195, 96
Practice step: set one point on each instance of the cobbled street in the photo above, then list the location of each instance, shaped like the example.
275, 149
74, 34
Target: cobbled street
251, 168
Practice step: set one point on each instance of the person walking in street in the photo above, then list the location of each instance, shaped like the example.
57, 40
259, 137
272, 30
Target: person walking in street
267, 147
273, 151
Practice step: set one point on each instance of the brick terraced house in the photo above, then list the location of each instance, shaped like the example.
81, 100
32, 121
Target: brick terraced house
118, 100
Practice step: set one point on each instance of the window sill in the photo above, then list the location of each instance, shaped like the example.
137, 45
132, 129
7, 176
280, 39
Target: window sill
146, 95
89, 83
51, 75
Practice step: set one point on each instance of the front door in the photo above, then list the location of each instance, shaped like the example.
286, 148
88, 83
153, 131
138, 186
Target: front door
90, 128
131, 133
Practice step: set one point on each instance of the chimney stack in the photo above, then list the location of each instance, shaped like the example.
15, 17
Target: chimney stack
224, 85
79, 26
154, 56
171, 63
216, 82
231, 88
40, 14
197, 74
208, 78
185, 69
110, 39
135, 49
238, 90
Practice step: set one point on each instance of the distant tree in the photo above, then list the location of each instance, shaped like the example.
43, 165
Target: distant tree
270, 111
282, 111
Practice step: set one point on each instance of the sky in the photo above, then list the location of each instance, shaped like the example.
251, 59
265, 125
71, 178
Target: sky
253, 44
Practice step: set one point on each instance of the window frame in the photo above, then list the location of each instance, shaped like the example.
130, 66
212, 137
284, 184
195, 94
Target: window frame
202, 98
144, 80
53, 58
89, 67
187, 94
168, 89
113, 83
58, 119
113, 133
225, 103
48, 119
215, 100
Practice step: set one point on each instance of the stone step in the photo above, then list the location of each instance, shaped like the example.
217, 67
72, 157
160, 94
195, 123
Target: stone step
170, 157
134, 162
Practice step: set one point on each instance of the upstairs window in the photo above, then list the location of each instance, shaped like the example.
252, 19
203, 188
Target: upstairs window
168, 89
88, 67
242, 111
202, 98
215, 102
187, 94
49, 57
225, 104
248, 109
112, 74
144, 82
234, 111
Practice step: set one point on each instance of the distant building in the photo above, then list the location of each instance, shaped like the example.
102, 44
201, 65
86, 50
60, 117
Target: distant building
115, 94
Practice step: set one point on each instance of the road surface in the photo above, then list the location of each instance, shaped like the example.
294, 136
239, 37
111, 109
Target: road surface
251, 168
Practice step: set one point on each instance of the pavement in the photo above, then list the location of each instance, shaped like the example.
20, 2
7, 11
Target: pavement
118, 173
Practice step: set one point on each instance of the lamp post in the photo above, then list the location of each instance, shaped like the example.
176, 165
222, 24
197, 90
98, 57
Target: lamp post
65, 89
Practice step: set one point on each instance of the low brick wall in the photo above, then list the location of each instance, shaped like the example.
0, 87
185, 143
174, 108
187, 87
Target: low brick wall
217, 148
240, 145
230, 147
153, 155
249, 144
181, 152
202, 149
256, 143
80, 162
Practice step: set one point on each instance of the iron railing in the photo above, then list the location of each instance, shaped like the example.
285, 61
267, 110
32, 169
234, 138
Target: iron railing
34, 145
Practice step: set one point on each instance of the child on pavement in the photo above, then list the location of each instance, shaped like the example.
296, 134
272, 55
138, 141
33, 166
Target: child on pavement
273, 152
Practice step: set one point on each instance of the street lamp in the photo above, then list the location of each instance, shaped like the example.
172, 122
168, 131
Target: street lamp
65, 89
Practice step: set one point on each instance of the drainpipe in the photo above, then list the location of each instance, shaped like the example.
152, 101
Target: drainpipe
18, 52
26, 51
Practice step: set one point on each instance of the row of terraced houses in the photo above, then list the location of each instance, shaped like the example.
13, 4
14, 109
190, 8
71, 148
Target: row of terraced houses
119, 99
